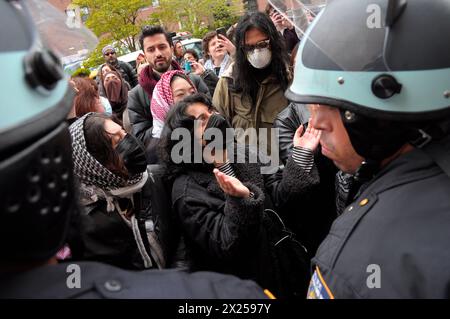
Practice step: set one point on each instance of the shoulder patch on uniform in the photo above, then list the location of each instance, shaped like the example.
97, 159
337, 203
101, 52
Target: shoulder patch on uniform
318, 288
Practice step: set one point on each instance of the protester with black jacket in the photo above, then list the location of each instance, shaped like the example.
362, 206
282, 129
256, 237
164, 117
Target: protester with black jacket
221, 217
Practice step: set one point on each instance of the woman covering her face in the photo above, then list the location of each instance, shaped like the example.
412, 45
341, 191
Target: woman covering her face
116, 90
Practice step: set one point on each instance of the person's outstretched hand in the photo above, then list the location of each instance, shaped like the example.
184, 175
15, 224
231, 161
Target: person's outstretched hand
231, 185
309, 140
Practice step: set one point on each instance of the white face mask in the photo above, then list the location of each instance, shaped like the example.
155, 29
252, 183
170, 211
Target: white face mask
260, 58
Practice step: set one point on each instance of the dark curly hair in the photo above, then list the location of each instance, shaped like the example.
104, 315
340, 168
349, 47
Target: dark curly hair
243, 72
177, 118
193, 52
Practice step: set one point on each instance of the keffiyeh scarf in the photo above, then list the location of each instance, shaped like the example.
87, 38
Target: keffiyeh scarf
96, 181
162, 100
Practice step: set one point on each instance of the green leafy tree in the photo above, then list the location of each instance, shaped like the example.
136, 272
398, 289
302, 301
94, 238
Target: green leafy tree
81, 72
198, 16
115, 22
226, 13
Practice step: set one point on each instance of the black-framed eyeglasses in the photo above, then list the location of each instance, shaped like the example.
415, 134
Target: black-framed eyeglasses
260, 45
110, 53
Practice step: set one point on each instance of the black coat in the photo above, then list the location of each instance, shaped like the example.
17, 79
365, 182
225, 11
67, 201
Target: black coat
311, 217
224, 233
100, 281
398, 229
103, 236
210, 78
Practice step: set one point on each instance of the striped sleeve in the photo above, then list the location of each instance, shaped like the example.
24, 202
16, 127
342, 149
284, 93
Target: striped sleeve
227, 169
303, 157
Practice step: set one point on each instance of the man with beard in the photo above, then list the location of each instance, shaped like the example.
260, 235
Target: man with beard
126, 70
159, 50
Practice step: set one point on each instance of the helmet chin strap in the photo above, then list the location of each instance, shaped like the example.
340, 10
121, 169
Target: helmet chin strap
368, 169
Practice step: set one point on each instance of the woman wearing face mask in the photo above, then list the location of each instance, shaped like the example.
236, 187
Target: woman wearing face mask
117, 225
116, 90
220, 195
251, 93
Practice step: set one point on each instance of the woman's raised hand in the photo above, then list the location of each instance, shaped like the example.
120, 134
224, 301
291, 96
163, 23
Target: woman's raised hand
231, 185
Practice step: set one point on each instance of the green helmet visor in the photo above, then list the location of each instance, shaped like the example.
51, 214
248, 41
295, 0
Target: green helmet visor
28, 27
383, 58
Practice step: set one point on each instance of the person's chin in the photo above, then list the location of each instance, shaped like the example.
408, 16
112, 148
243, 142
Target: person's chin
161, 66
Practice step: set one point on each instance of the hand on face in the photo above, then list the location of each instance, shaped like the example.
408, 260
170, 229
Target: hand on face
231, 185
310, 140
334, 139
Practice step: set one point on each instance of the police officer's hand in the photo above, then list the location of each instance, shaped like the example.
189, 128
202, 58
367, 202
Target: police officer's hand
309, 140
231, 185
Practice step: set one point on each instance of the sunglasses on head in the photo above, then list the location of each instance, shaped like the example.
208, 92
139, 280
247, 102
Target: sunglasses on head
260, 45
110, 53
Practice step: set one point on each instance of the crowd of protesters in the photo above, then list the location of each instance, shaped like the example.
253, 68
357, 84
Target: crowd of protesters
219, 211
256, 204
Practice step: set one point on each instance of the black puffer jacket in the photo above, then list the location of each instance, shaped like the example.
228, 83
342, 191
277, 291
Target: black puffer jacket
211, 79
224, 233
288, 121
309, 217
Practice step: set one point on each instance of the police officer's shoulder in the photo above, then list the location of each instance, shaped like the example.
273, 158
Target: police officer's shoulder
96, 280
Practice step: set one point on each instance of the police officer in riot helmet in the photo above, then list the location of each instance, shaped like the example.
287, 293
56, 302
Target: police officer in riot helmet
39, 200
376, 76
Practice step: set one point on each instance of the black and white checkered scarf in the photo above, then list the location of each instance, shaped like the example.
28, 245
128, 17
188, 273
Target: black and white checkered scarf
95, 179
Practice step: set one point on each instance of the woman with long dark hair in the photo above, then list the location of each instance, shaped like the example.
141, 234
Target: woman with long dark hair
251, 94
224, 201
117, 225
